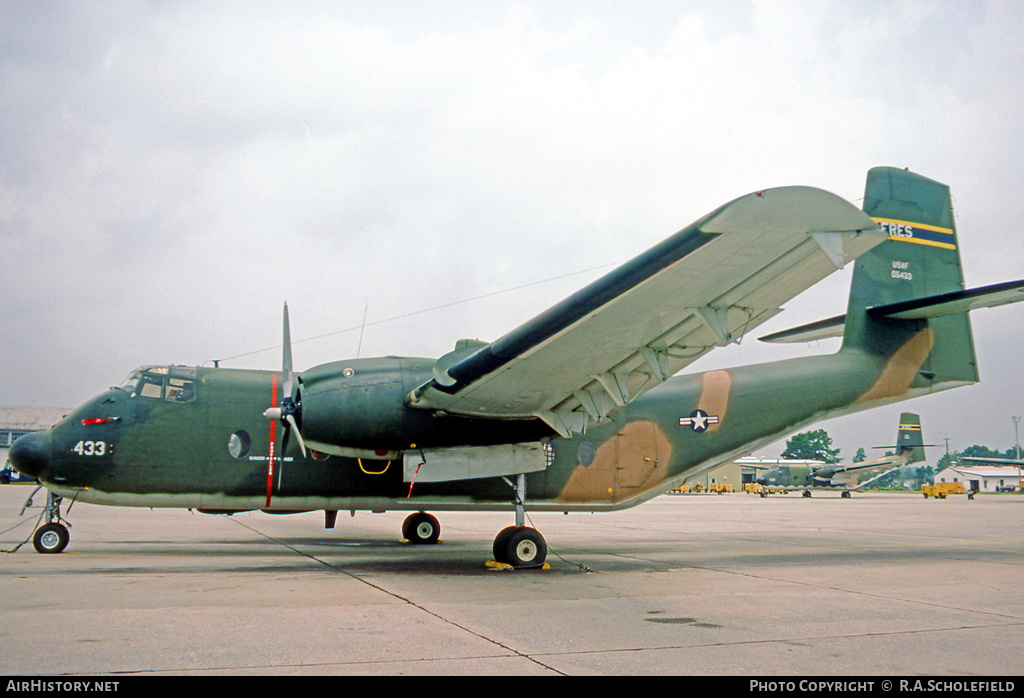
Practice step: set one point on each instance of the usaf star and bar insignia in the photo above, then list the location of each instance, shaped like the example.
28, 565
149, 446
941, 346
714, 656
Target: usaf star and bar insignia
699, 420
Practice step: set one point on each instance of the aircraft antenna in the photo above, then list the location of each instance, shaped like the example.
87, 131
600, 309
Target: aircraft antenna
362, 329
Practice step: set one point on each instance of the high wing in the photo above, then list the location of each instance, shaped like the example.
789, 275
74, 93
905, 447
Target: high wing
886, 462
862, 484
705, 286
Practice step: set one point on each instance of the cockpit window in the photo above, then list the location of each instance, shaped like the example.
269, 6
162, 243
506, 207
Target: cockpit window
174, 384
129, 383
150, 386
181, 390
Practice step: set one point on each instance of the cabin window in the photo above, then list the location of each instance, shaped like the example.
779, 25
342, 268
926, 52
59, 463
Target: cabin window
239, 444
585, 454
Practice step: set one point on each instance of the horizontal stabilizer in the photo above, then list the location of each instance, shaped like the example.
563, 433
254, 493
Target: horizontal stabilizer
953, 302
918, 309
811, 332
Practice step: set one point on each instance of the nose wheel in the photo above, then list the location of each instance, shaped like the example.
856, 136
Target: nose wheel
421, 529
52, 537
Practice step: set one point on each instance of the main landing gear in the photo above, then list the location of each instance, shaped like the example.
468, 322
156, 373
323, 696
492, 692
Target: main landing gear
52, 537
518, 546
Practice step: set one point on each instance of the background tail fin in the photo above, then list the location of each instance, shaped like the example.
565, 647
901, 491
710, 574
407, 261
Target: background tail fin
909, 437
920, 259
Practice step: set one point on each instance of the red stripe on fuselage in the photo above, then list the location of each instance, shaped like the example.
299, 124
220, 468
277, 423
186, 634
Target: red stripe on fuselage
273, 431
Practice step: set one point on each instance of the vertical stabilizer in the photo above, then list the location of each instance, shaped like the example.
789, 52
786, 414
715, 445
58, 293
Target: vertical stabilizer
921, 258
909, 437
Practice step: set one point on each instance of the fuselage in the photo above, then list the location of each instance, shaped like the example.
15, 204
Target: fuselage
197, 437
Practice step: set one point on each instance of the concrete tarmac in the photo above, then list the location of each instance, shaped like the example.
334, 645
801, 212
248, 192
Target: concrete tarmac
876, 585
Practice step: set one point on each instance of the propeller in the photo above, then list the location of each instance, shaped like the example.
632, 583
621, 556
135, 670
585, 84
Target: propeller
285, 411
288, 409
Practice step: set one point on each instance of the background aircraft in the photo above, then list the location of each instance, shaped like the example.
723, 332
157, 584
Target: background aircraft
577, 409
807, 477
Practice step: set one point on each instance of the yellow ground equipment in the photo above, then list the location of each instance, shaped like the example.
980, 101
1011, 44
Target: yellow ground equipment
941, 490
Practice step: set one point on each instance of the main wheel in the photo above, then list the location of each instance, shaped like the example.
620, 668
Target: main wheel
421, 528
51, 538
500, 547
524, 547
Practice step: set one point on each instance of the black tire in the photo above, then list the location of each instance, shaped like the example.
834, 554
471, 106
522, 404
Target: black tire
51, 539
501, 543
421, 529
525, 547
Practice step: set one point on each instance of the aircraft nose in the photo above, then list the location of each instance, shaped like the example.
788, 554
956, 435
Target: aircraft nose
30, 454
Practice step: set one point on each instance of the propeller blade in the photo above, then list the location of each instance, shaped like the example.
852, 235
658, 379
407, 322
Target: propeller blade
286, 359
298, 434
285, 410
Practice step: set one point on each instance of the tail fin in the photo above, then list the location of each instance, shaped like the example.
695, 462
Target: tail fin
920, 260
907, 299
909, 438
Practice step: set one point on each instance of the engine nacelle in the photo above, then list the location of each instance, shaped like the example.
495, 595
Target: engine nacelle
359, 405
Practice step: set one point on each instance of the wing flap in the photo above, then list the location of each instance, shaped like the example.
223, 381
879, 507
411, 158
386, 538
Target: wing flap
703, 287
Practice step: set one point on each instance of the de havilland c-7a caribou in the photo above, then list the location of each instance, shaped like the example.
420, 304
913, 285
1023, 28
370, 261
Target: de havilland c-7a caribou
807, 476
577, 409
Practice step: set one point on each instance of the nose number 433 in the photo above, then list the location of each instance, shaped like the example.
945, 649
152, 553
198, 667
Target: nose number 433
93, 448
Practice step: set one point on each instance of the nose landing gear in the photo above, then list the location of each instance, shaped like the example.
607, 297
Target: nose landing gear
52, 537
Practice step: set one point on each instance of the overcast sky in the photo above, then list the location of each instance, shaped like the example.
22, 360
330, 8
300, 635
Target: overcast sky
172, 172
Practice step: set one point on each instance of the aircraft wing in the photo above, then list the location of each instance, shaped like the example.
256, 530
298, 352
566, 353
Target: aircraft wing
873, 476
850, 475
887, 462
706, 286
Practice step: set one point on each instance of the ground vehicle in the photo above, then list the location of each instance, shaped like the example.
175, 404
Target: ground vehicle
9, 475
941, 489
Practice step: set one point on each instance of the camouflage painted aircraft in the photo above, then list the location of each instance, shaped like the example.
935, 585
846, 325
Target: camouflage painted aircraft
575, 410
806, 478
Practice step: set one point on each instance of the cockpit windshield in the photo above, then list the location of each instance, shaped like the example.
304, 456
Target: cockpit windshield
170, 383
